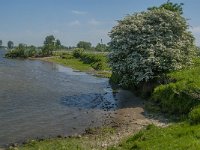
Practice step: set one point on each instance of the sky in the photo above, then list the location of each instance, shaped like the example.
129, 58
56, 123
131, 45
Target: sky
71, 21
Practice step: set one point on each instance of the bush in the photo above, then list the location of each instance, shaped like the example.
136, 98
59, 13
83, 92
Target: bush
194, 115
182, 94
22, 51
18, 52
97, 61
66, 56
77, 53
175, 98
147, 44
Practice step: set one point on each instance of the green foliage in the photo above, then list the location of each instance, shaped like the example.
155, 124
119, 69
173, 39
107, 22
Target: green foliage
71, 62
22, 51
84, 45
77, 53
197, 50
57, 144
194, 115
31, 51
66, 56
1, 43
179, 136
147, 44
97, 61
174, 7
180, 96
101, 47
175, 98
58, 44
10, 44
50, 45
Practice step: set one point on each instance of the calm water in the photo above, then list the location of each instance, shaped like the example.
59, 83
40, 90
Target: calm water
41, 99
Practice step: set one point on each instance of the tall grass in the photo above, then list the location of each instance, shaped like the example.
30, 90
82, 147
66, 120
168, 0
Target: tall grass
178, 136
180, 96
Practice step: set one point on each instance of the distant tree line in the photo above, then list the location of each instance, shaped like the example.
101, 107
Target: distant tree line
10, 44
88, 46
50, 44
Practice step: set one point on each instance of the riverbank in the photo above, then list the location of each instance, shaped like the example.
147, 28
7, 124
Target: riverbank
76, 64
122, 128
120, 124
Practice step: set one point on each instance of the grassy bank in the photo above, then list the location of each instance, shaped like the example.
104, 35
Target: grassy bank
85, 63
94, 139
179, 136
179, 96
182, 93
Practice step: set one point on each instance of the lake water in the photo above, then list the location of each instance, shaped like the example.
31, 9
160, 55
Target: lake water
41, 99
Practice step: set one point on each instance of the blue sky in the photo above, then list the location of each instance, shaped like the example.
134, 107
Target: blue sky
30, 21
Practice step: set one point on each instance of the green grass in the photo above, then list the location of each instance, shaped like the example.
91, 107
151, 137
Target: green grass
180, 136
92, 140
181, 95
72, 63
67, 59
58, 144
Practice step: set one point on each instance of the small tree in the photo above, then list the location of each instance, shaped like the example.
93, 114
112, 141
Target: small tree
1, 43
147, 44
58, 44
49, 45
84, 45
10, 44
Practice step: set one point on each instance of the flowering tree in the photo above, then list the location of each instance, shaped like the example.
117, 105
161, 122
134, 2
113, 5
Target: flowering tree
147, 44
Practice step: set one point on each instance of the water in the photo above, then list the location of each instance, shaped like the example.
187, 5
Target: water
41, 99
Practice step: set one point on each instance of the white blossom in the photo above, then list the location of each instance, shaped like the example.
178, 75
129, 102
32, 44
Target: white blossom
149, 43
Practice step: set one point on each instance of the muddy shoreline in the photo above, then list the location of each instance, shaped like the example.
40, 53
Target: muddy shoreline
127, 120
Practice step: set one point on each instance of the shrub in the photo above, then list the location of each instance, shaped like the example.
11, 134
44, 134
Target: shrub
19, 51
147, 44
30, 51
181, 95
175, 98
194, 115
77, 53
97, 61
22, 51
66, 56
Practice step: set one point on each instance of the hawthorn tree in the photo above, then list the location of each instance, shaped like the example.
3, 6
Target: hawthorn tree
147, 44
175, 7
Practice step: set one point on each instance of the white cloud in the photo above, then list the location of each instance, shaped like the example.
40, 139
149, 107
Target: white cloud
79, 12
74, 23
94, 22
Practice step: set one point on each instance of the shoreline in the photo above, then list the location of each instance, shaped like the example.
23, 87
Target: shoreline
120, 124
89, 70
127, 120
